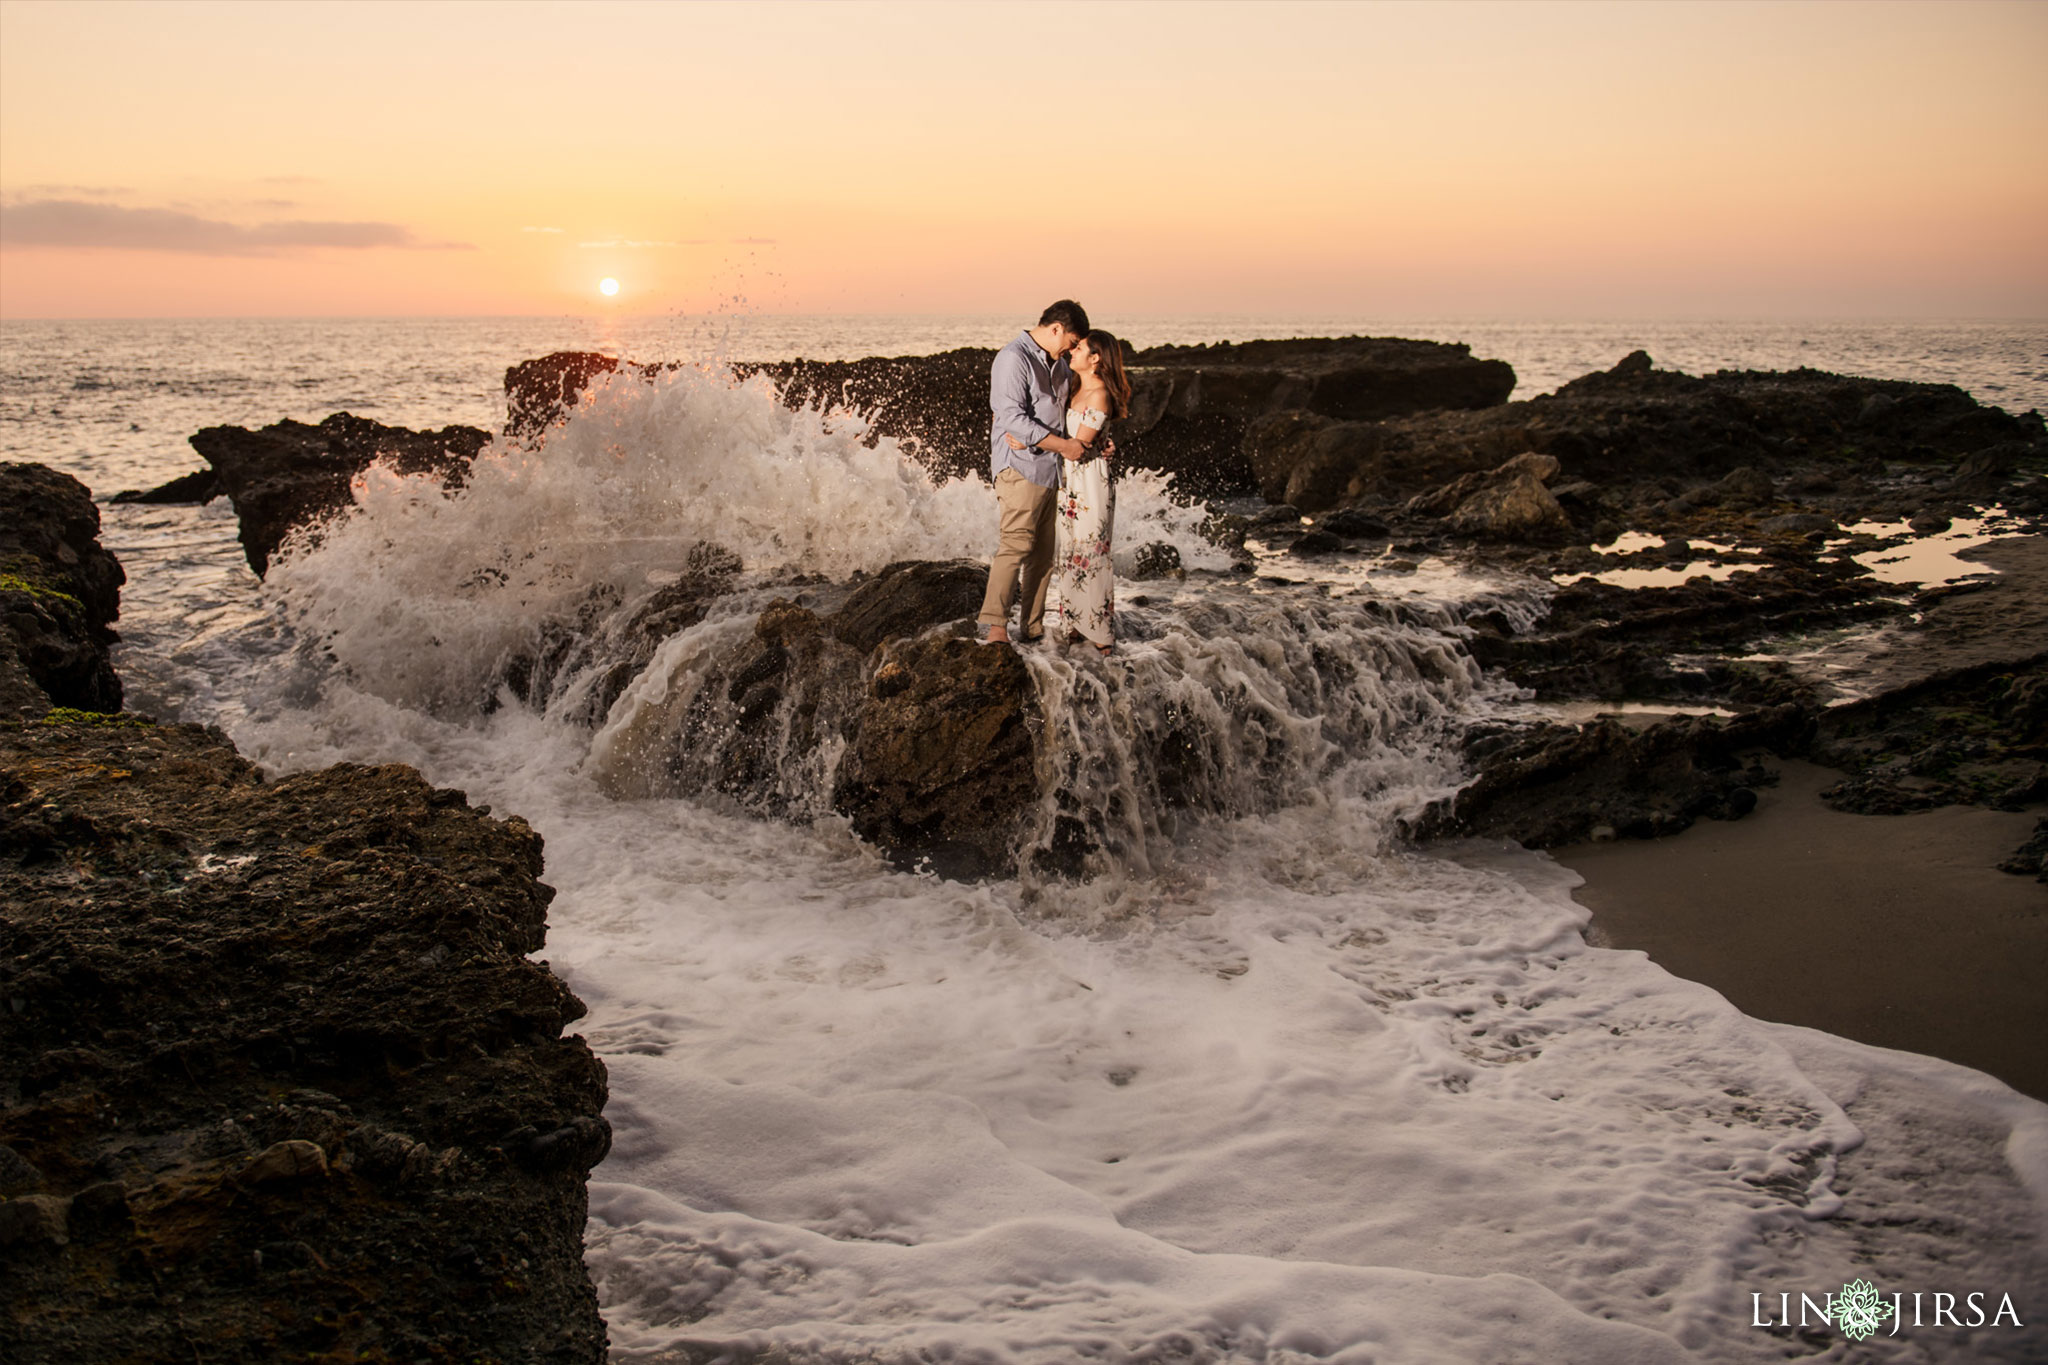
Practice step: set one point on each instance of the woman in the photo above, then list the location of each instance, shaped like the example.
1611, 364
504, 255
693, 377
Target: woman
1081, 591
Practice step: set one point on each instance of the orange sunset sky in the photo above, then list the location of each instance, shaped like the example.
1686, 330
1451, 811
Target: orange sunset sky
1504, 160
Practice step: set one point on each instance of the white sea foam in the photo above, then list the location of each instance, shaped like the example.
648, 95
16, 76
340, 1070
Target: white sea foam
1302, 1094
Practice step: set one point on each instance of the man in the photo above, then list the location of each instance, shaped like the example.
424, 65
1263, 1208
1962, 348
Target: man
1028, 387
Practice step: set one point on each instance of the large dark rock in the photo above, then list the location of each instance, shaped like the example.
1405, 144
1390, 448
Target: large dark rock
850, 701
1548, 785
284, 1081
60, 591
187, 490
759, 726
1350, 378
936, 405
290, 475
1191, 405
1635, 423
1971, 736
1509, 502
941, 767
539, 392
909, 597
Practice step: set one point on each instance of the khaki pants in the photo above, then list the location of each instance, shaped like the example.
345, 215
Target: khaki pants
1024, 552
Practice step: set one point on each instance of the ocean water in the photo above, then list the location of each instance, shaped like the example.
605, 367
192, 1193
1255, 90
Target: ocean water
113, 401
1270, 1085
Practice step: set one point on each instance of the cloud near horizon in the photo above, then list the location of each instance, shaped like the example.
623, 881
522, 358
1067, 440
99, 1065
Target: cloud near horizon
619, 242
73, 223
70, 191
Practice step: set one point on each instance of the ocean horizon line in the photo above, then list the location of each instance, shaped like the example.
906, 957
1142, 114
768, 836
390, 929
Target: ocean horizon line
1489, 319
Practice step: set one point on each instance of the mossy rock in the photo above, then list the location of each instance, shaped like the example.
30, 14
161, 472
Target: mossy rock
68, 715
11, 581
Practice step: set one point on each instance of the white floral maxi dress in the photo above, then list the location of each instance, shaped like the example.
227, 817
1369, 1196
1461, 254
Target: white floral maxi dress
1083, 585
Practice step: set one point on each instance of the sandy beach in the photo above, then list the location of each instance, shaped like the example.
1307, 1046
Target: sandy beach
1896, 930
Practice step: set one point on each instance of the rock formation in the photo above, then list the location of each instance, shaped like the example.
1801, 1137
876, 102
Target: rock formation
289, 474
280, 1082
1557, 784
940, 766
1635, 424
60, 592
1191, 405
277, 1080
1509, 502
200, 486
537, 392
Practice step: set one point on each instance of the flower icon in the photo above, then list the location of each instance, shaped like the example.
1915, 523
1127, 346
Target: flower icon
1858, 1309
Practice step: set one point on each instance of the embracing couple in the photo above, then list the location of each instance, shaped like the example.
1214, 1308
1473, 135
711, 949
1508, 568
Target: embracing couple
1052, 392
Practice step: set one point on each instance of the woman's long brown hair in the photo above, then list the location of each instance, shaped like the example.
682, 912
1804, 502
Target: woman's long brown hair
1110, 352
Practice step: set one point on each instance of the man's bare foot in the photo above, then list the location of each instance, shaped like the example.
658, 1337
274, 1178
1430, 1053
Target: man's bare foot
996, 635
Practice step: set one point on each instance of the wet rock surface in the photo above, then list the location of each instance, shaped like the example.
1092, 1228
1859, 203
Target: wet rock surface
1548, 785
201, 485
1953, 706
908, 598
867, 700
1508, 502
1974, 737
60, 592
540, 392
941, 768
277, 1080
290, 475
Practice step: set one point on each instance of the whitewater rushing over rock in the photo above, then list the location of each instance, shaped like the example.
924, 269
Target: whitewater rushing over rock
1219, 1070
424, 594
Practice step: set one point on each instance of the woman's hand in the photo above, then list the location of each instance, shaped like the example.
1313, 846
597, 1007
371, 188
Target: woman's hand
1015, 444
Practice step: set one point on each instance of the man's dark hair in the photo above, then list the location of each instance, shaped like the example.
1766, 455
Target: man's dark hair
1067, 314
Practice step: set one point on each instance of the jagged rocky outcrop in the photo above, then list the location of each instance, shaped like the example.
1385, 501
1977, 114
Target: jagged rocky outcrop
1350, 378
1547, 785
540, 391
1954, 704
1191, 405
856, 699
187, 490
60, 592
1639, 433
277, 1079
941, 764
1509, 502
289, 474
1971, 736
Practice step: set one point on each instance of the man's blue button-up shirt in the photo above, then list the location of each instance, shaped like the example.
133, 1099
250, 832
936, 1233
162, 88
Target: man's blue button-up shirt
1027, 397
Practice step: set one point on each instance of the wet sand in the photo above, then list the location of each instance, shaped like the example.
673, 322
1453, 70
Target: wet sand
1896, 930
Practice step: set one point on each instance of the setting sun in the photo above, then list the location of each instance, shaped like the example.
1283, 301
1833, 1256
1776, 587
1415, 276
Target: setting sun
607, 286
